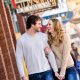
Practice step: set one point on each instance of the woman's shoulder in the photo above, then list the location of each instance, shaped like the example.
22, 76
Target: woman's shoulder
66, 35
67, 39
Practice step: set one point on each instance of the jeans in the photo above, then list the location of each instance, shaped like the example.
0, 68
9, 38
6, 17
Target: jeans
78, 66
47, 75
72, 74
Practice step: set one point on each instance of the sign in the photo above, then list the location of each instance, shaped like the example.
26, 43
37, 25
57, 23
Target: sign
62, 7
19, 1
34, 6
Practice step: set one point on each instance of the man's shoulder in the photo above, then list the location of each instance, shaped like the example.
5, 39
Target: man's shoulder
21, 37
42, 34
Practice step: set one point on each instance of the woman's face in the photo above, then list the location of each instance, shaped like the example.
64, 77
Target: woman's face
50, 26
74, 46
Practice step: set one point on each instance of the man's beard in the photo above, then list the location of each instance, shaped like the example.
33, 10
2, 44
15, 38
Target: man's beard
37, 30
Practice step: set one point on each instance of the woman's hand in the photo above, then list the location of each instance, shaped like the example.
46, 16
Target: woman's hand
47, 50
60, 77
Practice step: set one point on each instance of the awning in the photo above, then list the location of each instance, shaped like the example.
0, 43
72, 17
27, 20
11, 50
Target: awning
75, 21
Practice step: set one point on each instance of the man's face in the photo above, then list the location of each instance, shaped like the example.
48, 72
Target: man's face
37, 26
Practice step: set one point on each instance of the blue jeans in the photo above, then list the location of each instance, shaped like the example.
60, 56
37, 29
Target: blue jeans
47, 75
72, 74
78, 66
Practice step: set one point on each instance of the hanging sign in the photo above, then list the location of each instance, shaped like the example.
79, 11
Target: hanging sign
34, 6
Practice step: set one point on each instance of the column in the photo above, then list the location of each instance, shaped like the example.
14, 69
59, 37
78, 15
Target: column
21, 22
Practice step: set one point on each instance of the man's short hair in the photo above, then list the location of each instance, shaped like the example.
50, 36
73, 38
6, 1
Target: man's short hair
32, 20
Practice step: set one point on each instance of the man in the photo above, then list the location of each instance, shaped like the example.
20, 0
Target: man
32, 46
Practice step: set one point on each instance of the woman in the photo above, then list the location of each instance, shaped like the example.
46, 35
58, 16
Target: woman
76, 56
60, 43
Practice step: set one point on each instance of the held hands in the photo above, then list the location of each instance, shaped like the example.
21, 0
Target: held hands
47, 51
60, 77
57, 74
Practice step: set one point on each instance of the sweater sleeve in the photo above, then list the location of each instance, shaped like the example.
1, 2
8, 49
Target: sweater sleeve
52, 61
19, 58
50, 56
66, 53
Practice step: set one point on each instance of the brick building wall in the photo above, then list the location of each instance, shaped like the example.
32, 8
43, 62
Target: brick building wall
6, 54
8, 67
11, 25
3, 75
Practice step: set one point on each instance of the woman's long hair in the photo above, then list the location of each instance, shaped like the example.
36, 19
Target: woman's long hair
59, 33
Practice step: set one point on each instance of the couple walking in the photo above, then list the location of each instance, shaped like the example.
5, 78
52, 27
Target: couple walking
42, 52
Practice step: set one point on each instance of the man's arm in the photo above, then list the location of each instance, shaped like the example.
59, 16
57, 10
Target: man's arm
52, 61
19, 59
51, 58
50, 54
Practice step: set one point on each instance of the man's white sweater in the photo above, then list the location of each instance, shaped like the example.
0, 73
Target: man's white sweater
31, 48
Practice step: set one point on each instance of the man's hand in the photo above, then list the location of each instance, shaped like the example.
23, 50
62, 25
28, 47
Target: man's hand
24, 78
57, 74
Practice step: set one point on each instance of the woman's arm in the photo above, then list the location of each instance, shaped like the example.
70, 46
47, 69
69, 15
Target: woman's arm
66, 53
